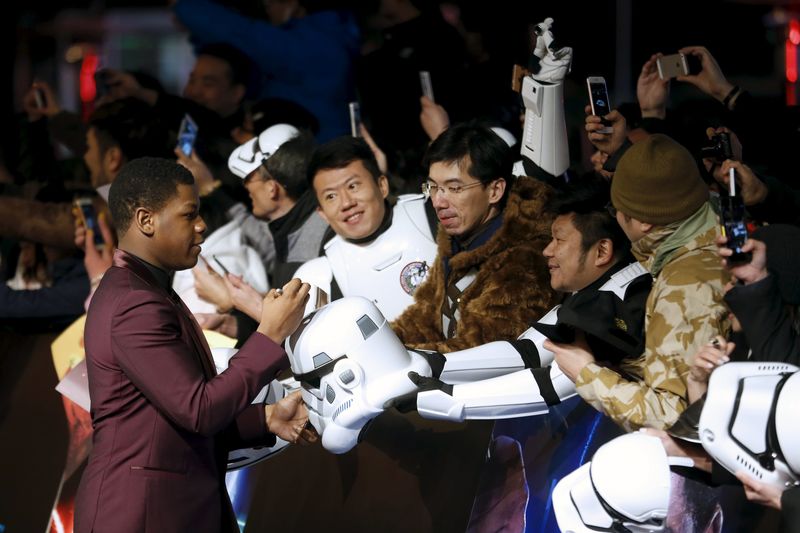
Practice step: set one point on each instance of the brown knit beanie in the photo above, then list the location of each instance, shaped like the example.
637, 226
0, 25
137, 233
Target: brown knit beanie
657, 181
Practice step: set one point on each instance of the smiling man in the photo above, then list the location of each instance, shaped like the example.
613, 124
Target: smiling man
381, 252
163, 419
490, 279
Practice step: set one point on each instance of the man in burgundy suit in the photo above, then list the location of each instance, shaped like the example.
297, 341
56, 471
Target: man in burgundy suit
163, 419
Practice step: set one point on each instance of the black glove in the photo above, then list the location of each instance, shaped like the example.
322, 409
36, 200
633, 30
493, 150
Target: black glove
408, 402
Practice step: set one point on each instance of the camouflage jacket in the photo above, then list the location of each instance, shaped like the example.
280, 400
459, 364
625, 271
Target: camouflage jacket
684, 310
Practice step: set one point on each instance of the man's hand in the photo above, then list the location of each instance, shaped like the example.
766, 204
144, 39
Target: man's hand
221, 323
123, 84
710, 80
49, 102
710, 356
433, 117
571, 358
751, 272
244, 297
758, 492
380, 156
606, 142
288, 419
95, 260
211, 287
752, 189
202, 174
282, 310
651, 91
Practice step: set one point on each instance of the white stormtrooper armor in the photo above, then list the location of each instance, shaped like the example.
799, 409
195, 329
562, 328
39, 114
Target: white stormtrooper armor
544, 139
507, 380
248, 156
272, 393
748, 421
349, 364
387, 270
625, 487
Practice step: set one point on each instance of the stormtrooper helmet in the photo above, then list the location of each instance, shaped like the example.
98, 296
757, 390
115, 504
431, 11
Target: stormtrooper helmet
349, 364
625, 487
248, 157
748, 423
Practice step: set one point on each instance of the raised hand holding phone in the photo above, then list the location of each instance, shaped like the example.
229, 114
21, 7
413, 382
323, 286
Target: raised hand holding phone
598, 99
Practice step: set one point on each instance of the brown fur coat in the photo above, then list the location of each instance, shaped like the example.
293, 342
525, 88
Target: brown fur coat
512, 287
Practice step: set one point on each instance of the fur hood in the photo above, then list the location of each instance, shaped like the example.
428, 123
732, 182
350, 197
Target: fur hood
522, 221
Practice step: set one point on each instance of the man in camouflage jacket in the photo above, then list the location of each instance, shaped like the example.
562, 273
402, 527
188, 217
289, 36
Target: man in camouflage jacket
662, 205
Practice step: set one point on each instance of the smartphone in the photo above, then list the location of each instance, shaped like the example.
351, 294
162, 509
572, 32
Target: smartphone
38, 94
217, 261
598, 99
187, 135
85, 210
425, 83
355, 119
675, 65
734, 227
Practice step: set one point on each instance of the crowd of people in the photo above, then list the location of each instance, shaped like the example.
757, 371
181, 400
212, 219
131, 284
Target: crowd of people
613, 283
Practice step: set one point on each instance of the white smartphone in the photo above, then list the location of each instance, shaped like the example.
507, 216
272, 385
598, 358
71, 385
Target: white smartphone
425, 83
598, 98
355, 119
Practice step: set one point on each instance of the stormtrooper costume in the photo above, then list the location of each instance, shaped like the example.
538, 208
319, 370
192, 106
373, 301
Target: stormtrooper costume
544, 138
387, 269
351, 367
747, 424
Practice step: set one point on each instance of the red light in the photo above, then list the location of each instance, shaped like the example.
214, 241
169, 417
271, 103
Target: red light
794, 31
88, 90
791, 62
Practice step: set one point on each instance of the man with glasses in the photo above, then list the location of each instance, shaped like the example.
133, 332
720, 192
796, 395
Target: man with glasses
490, 278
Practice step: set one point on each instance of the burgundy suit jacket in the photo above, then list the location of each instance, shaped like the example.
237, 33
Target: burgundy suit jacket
163, 419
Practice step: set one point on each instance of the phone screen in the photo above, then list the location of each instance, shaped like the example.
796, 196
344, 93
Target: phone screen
734, 227
598, 95
355, 119
187, 135
90, 220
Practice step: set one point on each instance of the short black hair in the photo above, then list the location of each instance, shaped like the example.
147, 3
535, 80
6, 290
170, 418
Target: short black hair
242, 68
133, 126
288, 164
587, 201
340, 152
489, 156
148, 182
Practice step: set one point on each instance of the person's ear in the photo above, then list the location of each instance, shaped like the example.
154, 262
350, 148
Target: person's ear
645, 227
604, 252
113, 159
496, 190
144, 221
383, 185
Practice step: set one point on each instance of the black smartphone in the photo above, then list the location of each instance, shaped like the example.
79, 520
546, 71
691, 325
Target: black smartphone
86, 211
734, 227
355, 119
598, 98
187, 135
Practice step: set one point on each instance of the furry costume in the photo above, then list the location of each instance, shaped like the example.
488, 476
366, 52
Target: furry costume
512, 286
